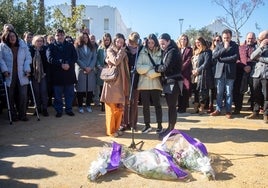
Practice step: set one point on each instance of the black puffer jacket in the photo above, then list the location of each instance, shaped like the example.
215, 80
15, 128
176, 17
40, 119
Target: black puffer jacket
172, 62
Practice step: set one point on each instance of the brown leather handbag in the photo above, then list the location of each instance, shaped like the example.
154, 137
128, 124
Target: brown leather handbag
109, 73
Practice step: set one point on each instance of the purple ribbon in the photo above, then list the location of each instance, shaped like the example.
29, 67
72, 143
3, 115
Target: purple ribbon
115, 157
178, 171
191, 140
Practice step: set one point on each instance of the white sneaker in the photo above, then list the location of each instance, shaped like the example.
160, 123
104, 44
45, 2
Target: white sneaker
89, 109
81, 110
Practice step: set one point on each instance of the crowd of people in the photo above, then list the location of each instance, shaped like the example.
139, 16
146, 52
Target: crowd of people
216, 73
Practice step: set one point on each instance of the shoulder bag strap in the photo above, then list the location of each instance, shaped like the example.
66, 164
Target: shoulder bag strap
151, 59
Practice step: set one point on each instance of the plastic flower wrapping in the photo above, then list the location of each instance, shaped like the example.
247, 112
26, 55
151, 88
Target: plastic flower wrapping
154, 164
188, 152
109, 159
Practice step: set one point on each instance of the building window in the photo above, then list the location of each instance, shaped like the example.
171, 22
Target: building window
106, 23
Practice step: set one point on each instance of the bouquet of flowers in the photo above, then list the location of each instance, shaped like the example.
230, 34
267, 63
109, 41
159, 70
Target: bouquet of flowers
188, 152
177, 150
154, 164
109, 159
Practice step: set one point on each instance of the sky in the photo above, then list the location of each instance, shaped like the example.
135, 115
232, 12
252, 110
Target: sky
162, 16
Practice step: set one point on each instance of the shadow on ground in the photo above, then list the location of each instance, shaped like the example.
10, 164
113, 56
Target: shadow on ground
212, 135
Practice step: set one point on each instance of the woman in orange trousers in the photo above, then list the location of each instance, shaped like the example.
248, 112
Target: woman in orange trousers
115, 93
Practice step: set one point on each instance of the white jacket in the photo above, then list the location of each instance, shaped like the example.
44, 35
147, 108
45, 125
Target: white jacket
149, 79
24, 60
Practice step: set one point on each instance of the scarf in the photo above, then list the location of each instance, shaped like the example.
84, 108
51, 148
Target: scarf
133, 50
38, 70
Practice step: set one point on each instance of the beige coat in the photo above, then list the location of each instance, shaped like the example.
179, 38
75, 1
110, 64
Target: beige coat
117, 91
149, 79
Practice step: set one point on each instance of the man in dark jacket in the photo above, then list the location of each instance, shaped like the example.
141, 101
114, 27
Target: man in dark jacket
226, 55
62, 56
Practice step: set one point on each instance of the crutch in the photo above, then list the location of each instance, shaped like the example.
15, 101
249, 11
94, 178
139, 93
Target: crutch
35, 105
8, 104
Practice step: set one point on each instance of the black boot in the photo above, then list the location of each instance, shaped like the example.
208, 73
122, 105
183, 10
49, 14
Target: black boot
147, 128
166, 131
45, 112
102, 107
159, 128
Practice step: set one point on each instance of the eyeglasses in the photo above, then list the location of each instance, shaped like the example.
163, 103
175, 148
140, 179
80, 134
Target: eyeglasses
216, 40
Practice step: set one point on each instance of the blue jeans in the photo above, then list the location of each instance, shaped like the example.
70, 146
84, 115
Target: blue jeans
68, 92
224, 87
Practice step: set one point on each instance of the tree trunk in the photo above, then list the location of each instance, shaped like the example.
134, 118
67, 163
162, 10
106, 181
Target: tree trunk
237, 36
73, 5
42, 16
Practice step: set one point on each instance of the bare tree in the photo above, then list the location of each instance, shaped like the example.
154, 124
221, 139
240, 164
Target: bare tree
238, 12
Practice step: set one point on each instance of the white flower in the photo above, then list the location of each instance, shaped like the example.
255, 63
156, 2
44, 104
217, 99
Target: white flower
99, 167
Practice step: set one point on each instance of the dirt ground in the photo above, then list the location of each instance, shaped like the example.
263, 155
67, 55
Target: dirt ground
57, 152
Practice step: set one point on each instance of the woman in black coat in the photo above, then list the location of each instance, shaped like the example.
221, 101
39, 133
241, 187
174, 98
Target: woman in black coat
203, 72
171, 68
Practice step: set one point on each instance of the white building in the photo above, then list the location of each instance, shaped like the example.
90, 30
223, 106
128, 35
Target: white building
100, 20
217, 27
